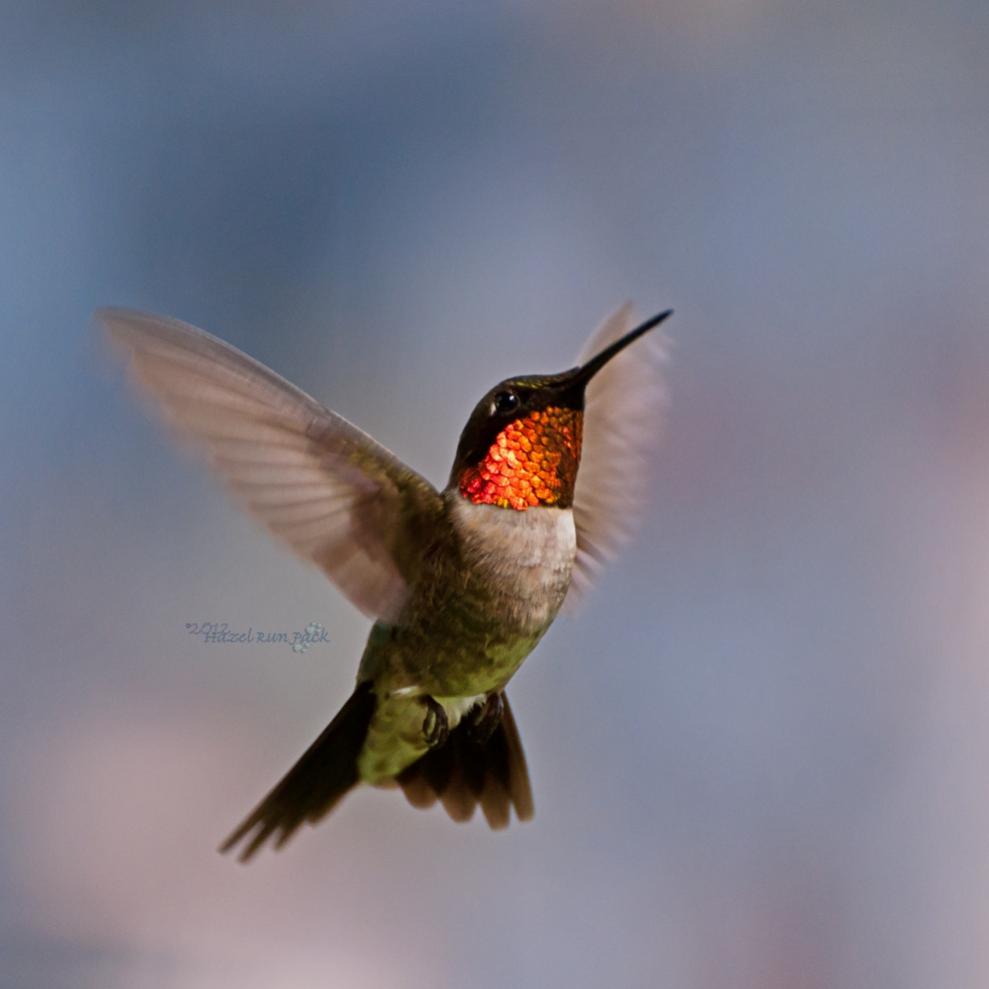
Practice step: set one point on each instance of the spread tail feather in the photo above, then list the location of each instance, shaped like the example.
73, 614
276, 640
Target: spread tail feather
316, 783
465, 772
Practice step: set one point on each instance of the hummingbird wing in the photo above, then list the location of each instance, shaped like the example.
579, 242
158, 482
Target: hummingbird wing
624, 406
321, 485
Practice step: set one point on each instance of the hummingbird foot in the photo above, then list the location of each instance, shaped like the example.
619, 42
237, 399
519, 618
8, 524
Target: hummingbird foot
435, 725
485, 718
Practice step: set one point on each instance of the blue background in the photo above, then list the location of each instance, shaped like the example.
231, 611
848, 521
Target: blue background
759, 754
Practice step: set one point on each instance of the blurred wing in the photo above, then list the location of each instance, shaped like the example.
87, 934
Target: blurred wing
321, 485
623, 416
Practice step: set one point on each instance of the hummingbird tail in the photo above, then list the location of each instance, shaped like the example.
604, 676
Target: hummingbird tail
316, 783
466, 771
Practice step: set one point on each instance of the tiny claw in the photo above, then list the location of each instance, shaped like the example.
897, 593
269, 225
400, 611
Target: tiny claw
485, 718
435, 725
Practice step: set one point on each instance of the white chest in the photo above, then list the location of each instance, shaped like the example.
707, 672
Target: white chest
528, 556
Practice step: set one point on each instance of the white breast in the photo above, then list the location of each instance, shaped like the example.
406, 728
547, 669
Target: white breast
527, 555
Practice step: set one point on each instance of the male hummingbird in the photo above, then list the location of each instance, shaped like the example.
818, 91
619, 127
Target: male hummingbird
461, 583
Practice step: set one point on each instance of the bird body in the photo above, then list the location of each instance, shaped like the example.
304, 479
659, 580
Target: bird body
462, 583
490, 590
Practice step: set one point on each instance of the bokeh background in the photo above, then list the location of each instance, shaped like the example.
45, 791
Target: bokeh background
761, 753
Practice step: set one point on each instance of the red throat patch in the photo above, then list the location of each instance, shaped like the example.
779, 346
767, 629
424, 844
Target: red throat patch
533, 461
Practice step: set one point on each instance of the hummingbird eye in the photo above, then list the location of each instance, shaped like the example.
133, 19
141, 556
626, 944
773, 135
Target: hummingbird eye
506, 401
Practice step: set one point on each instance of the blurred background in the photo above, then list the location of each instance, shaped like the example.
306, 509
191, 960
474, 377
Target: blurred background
760, 753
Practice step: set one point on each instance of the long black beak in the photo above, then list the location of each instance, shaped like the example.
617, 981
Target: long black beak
581, 375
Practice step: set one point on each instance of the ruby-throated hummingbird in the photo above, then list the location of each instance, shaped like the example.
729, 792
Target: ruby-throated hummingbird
461, 583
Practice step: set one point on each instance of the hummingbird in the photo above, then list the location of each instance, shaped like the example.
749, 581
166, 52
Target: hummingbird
548, 479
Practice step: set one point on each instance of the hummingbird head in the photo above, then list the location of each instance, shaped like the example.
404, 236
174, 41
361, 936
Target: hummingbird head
521, 446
